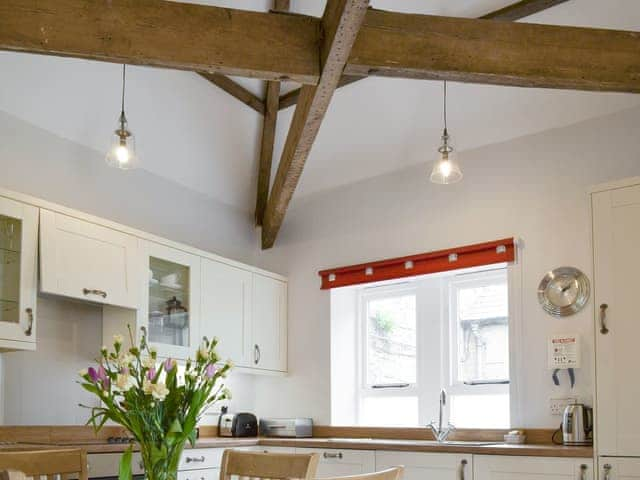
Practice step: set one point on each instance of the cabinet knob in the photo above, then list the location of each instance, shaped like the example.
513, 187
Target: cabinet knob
607, 471
29, 330
583, 472
463, 464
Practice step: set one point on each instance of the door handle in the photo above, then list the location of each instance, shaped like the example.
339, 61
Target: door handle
256, 354
463, 464
199, 459
332, 455
93, 291
607, 471
29, 330
583, 472
603, 317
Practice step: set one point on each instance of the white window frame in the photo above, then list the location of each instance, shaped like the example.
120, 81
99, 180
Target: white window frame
449, 318
368, 391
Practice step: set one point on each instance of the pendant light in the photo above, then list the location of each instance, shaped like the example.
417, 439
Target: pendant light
122, 153
446, 169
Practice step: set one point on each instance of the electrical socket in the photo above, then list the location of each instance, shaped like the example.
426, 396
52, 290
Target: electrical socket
556, 405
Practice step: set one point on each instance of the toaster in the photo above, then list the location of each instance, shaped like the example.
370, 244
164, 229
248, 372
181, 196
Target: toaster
237, 425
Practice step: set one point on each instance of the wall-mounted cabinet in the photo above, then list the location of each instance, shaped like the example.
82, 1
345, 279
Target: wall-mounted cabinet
18, 275
269, 323
170, 309
83, 260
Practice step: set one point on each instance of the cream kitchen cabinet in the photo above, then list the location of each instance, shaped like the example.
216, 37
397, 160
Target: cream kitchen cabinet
338, 463
227, 293
434, 466
269, 323
18, 275
83, 260
502, 467
616, 236
618, 468
170, 306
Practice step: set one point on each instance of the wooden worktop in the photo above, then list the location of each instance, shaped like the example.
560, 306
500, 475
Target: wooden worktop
341, 438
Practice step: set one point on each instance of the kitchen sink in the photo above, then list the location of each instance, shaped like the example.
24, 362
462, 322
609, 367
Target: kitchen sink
453, 443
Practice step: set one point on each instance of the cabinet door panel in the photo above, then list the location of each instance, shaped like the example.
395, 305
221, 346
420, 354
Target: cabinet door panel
226, 310
87, 261
434, 466
616, 236
170, 310
18, 274
269, 323
612, 468
499, 467
339, 463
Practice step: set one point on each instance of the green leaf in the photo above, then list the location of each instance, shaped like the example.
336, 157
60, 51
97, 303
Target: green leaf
125, 465
175, 427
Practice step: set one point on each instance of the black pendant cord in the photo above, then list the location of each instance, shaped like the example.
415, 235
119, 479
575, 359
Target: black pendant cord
124, 72
444, 107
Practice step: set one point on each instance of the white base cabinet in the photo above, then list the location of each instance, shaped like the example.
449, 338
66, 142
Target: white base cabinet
432, 466
499, 467
339, 463
618, 468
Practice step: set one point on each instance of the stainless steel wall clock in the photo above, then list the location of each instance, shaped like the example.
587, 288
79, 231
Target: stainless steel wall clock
563, 291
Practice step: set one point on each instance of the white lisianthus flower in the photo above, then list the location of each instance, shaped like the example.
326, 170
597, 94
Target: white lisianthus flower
124, 382
147, 386
226, 393
203, 353
118, 339
153, 351
159, 391
125, 359
84, 372
148, 362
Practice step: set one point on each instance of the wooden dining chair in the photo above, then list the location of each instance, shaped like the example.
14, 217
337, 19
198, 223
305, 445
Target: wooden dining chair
36, 464
394, 473
272, 466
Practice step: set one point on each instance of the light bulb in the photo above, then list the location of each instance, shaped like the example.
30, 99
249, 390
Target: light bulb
445, 167
446, 170
122, 154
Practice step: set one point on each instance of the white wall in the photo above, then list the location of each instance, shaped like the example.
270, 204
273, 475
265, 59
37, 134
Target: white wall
39, 387
534, 187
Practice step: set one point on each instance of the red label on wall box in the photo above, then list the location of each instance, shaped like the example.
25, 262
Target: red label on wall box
497, 251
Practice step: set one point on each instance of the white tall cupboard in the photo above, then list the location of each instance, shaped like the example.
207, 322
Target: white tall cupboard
616, 241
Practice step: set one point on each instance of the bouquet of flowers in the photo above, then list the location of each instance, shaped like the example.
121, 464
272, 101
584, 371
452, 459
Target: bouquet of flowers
146, 397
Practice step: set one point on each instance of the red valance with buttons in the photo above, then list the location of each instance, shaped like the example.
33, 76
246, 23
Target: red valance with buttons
497, 251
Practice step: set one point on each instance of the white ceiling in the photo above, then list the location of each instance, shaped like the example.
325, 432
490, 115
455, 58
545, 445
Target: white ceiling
193, 133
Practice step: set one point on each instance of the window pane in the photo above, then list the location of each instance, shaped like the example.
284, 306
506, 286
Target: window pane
391, 340
482, 332
389, 411
494, 408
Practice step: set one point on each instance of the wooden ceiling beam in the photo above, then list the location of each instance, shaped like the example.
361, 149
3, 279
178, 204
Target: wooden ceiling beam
498, 53
236, 90
272, 97
160, 33
340, 25
512, 12
521, 9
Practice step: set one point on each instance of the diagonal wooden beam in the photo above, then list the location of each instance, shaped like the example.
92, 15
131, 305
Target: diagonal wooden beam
166, 34
498, 53
512, 12
521, 9
236, 90
272, 97
340, 23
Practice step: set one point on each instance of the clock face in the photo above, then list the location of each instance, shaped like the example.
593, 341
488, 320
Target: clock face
563, 291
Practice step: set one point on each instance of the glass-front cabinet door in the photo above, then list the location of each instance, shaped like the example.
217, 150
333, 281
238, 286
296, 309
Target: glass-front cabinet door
171, 309
18, 280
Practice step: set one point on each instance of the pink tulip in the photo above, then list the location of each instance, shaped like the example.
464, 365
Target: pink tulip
93, 375
151, 373
210, 370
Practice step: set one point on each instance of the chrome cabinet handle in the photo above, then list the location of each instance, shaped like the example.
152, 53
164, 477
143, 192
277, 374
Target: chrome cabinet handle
195, 459
332, 455
256, 354
603, 316
583, 472
93, 291
463, 464
607, 471
29, 330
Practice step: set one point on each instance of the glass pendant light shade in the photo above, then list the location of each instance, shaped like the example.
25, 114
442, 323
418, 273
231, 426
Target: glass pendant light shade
446, 169
122, 152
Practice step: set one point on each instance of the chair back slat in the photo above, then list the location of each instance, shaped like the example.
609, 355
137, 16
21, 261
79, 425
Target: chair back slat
50, 464
268, 466
394, 473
